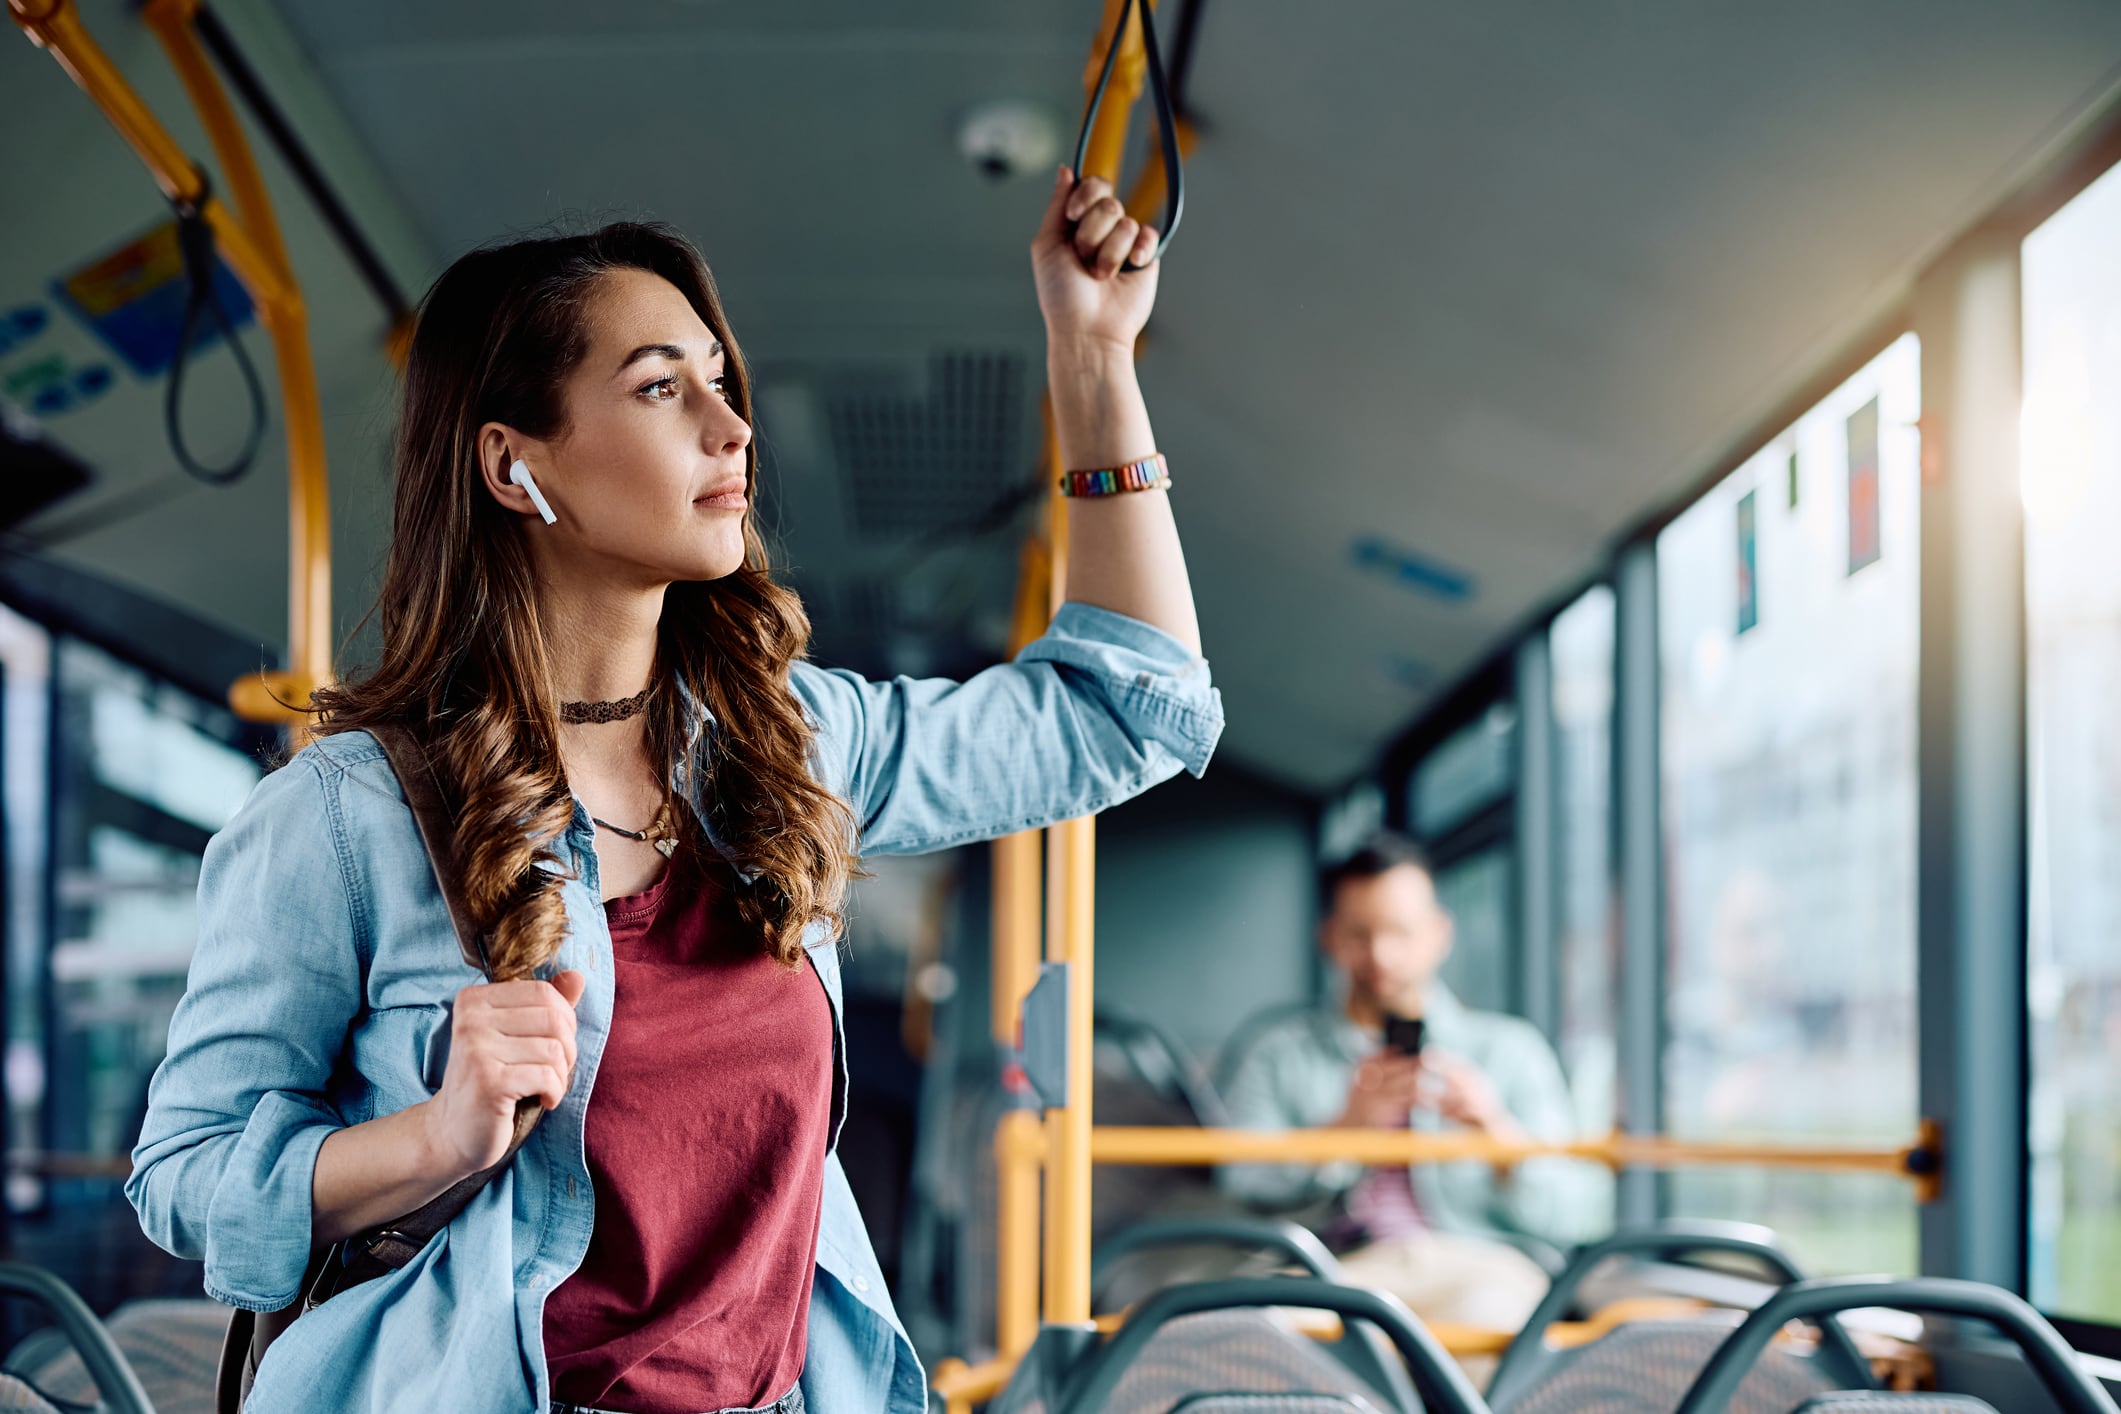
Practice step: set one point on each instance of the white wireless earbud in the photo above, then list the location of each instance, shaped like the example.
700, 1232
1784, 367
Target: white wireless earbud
520, 475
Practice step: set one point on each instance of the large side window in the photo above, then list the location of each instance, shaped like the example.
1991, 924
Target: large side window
1787, 608
114, 782
1581, 647
2071, 467
1460, 798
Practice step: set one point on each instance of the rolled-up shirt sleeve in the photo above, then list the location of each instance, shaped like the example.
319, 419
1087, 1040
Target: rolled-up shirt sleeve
1098, 709
239, 1107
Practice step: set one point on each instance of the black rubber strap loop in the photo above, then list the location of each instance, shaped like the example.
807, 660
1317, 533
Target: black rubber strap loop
195, 244
1166, 123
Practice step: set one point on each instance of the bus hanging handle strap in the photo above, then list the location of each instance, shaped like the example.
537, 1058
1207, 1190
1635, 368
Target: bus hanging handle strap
1166, 123
386, 1248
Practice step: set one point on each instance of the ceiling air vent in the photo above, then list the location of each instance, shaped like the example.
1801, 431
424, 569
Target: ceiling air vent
932, 450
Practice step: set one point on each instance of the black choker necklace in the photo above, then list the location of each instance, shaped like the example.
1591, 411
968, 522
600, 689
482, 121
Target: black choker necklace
576, 713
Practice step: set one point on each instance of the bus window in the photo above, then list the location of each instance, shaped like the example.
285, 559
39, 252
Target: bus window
115, 781
1469, 771
2071, 470
1787, 639
1581, 641
1476, 891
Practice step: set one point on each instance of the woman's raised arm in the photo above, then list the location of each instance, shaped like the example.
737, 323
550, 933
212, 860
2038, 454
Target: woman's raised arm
1123, 550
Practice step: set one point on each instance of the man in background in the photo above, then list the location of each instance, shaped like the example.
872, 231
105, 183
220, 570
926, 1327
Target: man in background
1435, 1235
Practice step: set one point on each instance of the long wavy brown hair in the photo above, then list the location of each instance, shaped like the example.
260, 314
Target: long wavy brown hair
463, 660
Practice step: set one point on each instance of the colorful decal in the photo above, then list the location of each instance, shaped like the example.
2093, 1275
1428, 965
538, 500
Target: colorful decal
1748, 562
1863, 486
18, 326
134, 300
50, 385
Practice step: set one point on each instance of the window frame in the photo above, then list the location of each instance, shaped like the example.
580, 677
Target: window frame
1933, 307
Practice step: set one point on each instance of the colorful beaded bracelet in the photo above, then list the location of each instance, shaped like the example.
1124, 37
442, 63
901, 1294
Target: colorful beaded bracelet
1151, 473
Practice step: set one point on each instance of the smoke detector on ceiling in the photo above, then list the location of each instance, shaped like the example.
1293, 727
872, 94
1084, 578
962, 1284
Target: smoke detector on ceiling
1009, 139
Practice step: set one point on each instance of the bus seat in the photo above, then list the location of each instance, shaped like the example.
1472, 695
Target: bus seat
1873, 1402
1227, 1346
109, 1381
1277, 1242
2046, 1354
1272, 1404
15, 1395
1648, 1366
1140, 1076
1654, 1362
173, 1345
1227, 1355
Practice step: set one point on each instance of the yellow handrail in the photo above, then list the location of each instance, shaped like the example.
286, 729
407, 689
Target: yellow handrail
249, 240
1918, 1163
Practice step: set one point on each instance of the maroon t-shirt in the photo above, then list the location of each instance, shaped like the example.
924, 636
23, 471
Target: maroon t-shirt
706, 1134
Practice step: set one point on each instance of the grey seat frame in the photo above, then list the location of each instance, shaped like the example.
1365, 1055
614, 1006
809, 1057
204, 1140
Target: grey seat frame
1528, 1360
1363, 1348
1088, 1387
119, 1387
2074, 1391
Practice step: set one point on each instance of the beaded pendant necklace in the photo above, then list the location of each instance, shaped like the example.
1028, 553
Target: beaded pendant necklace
661, 834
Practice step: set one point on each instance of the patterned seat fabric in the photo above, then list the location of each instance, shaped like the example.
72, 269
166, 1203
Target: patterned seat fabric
15, 1395
1227, 1355
173, 1345
1871, 1402
1274, 1404
1648, 1366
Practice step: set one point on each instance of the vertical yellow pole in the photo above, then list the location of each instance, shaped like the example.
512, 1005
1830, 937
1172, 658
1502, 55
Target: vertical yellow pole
1071, 847
1070, 895
309, 508
248, 237
1018, 933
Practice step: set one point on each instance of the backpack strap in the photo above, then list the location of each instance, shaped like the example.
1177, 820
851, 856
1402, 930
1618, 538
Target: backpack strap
423, 793
384, 1249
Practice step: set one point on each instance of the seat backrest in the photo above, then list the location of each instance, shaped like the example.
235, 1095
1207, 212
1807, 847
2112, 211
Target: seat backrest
1273, 1404
173, 1345
1227, 1355
15, 1395
1875, 1402
1647, 1367
1249, 1351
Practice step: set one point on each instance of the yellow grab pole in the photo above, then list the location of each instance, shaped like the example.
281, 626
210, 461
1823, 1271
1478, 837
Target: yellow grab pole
1016, 941
1071, 848
1145, 203
171, 22
1108, 138
54, 27
1018, 933
249, 239
1071, 865
1019, 1144
1919, 1163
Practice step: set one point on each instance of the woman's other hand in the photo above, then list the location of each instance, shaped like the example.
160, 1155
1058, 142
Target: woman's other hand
507, 1040
1083, 241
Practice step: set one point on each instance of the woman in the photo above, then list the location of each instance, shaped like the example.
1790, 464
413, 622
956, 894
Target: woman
658, 807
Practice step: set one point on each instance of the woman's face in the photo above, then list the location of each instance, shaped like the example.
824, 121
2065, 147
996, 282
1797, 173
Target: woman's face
647, 480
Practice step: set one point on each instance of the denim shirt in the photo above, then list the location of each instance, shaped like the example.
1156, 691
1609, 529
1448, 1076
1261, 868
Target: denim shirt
321, 990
